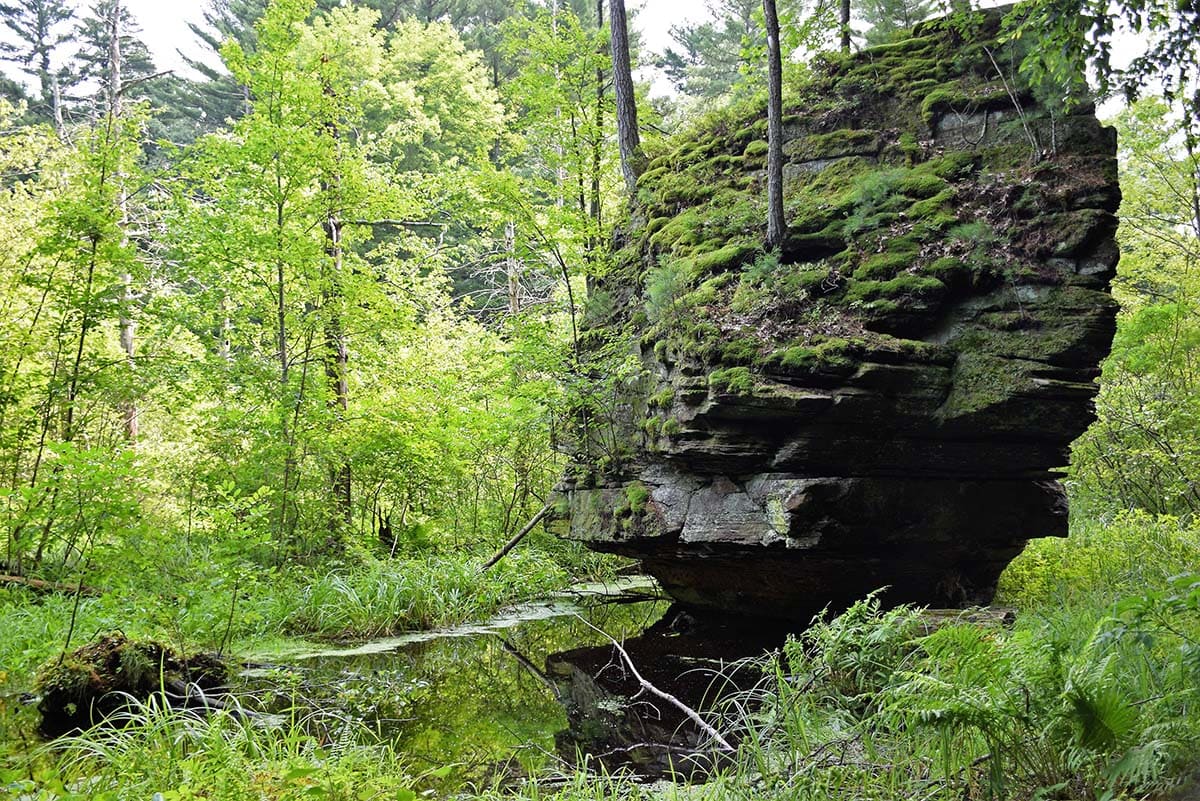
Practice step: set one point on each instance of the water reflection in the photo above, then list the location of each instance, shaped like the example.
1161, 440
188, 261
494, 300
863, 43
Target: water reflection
618, 722
523, 693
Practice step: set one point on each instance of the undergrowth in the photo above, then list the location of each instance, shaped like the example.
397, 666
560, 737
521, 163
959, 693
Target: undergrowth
1090, 694
213, 611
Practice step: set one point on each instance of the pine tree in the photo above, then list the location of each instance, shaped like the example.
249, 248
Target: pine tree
92, 73
628, 139
37, 26
710, 58
888, 18
210, 102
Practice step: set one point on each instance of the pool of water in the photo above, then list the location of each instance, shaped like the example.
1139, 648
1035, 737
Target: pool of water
478, 703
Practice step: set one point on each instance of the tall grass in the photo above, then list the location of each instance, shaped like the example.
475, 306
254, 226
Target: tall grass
155, 752
387, 597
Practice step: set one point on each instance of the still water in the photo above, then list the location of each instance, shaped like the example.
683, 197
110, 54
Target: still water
527, 692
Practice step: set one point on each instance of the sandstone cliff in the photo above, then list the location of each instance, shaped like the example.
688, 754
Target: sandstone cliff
888, 400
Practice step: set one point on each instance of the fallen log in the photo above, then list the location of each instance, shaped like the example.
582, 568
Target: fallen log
520, 535
40, 585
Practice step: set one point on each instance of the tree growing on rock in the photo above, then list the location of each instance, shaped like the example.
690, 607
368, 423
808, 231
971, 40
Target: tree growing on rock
775, 221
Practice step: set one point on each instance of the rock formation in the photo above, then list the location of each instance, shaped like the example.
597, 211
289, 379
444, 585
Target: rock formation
887, 401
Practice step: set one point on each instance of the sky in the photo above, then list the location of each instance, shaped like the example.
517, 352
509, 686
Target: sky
165, 31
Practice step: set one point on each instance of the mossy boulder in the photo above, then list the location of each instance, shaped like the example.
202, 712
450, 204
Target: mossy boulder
92, 683
888, 397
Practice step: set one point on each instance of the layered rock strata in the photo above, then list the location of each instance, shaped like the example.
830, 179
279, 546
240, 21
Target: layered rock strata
889, 399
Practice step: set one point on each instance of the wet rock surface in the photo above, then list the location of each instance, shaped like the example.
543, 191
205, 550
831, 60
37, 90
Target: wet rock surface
890, 399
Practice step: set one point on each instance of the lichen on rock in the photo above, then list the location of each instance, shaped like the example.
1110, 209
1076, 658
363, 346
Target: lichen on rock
886, 400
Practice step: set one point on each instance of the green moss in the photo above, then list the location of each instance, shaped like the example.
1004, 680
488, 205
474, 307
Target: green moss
727, 258
931, 206
663, 398
740, 351
731, 381
902, 285
654, 225
948, 270
910, 147
756, 148
652, 175
952, 165
637, 495
707, 293
822, 199
981, 381
920, 184
842, 142
1075, 231
671, 427
832, 355
883, 266
956, 96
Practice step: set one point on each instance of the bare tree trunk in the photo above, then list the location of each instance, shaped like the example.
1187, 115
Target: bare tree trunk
56, 100
844, 25
512, 268
775, 222
336, 352
627, 124
127, 326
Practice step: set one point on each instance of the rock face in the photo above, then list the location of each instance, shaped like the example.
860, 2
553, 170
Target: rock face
888, 400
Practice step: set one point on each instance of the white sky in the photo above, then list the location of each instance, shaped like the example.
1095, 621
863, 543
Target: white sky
165, 30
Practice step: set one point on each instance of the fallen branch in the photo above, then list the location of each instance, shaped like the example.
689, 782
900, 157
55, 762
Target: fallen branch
520, 535
691, 714
49, 586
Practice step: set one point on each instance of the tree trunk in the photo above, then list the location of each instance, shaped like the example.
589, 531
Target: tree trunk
127, 326
336, 352
336, 364
844, 25
775, 222
597, 146
512, 269
627, 124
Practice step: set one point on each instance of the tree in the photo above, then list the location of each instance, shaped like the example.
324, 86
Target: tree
775, 221
1142, 451
1067, 37
888, 18
217, 97
844, 24
110, 28
628, 139
711, 57
36, 24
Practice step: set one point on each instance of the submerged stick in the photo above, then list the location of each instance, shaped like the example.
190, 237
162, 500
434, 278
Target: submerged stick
692, 714
520, 535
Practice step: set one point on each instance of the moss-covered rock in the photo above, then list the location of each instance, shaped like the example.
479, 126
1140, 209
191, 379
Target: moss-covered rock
90, 684
886, 398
